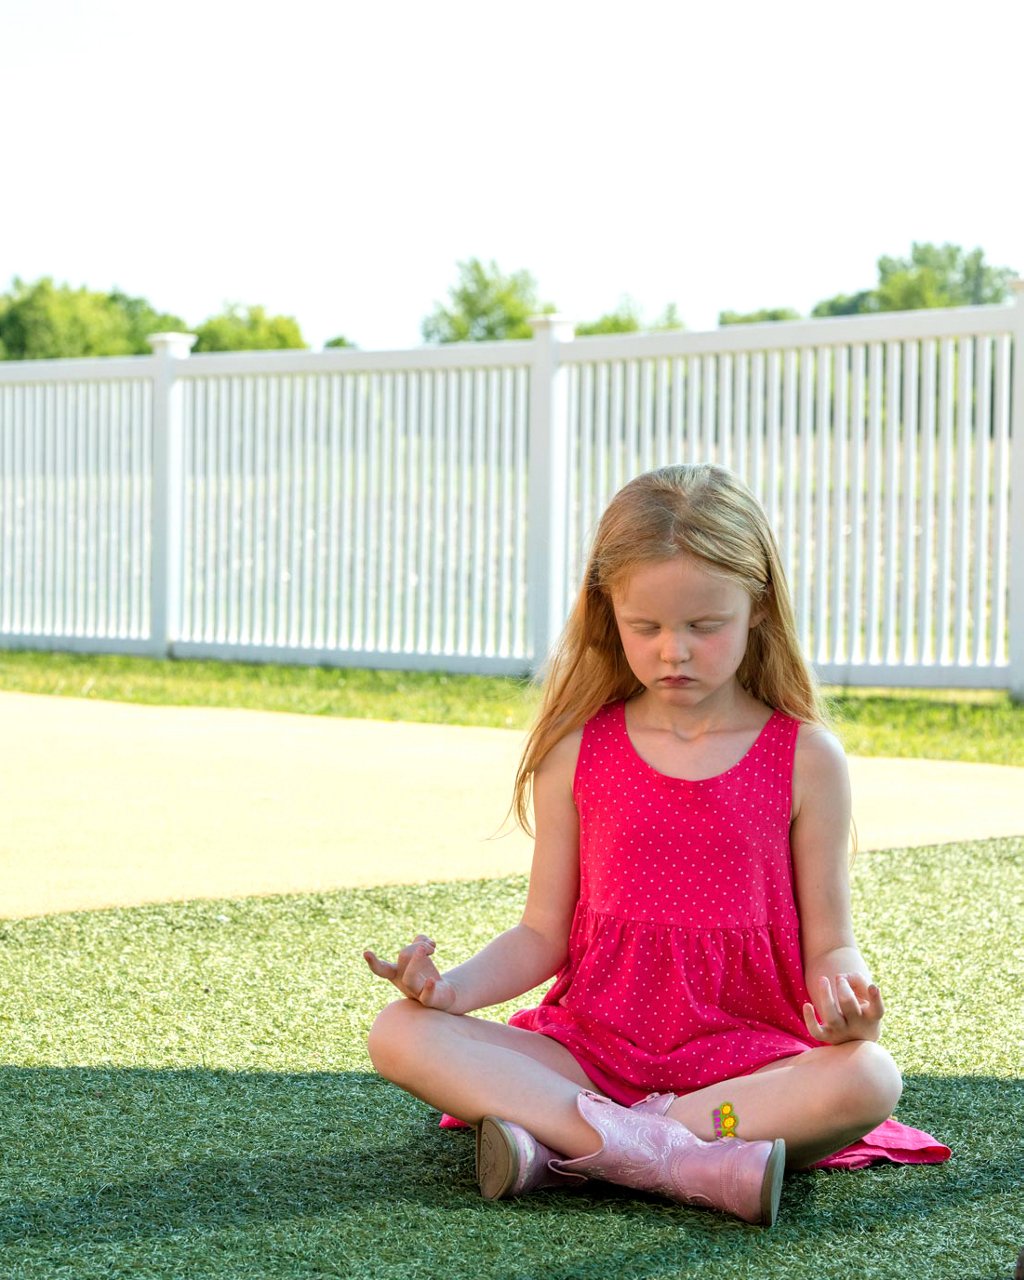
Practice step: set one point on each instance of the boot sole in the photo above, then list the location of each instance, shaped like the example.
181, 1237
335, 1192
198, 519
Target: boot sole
497, 1159
771, 1187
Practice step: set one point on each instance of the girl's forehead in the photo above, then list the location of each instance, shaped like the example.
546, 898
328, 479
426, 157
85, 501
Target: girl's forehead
679, 580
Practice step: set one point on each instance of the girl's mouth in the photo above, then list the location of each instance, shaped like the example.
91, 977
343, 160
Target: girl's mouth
676, 680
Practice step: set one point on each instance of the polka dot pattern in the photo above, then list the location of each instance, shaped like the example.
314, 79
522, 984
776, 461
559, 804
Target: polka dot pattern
684, 960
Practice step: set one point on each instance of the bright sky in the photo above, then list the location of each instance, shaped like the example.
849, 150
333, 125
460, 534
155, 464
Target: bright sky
335, 160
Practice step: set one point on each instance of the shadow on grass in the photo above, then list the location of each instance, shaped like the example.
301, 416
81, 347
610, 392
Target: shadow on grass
115, 1153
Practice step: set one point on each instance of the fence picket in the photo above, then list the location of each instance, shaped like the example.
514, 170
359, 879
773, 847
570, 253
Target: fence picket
980, 520
1001, 486
890, 553
856, 558
964, 433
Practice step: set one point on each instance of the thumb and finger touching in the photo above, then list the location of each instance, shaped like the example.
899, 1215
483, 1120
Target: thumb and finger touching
854, 1001
415, 974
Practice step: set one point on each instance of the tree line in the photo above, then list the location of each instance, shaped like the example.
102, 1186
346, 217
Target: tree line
47, 321
43, 320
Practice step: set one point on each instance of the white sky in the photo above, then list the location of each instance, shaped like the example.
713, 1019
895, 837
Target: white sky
333, 161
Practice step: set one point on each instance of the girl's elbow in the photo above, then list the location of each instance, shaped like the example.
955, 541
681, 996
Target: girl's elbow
550, 938
555, 958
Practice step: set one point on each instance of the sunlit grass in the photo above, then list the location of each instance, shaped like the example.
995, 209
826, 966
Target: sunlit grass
983, 725
187, 1094
356, 692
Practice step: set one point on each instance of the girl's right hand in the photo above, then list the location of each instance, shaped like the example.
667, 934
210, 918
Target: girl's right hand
415, 974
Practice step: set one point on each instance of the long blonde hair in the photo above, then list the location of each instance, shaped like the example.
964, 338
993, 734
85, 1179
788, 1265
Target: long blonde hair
699, 510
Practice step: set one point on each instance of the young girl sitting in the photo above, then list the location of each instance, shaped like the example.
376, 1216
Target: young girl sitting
711, 1018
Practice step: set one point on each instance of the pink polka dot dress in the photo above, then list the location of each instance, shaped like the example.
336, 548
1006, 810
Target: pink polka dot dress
684, 963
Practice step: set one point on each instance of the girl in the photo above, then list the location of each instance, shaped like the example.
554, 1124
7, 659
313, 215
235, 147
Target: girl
712, 1019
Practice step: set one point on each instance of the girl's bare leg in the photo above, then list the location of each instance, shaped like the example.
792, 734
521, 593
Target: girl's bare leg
471, 1068
819, 1101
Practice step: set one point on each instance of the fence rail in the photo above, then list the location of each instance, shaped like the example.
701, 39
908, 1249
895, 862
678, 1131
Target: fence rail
431, 508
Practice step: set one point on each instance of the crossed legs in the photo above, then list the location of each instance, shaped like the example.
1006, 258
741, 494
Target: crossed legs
819, 1101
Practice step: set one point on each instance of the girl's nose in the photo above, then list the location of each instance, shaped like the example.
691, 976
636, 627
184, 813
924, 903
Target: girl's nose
674, 648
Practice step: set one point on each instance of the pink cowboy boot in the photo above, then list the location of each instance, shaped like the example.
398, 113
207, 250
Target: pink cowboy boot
649, 1152
655, 1104
511, 1162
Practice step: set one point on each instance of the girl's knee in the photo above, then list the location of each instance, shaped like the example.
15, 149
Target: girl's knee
392, 1035
873, 1082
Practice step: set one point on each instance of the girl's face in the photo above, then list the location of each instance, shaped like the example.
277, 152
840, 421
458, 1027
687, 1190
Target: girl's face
684, 630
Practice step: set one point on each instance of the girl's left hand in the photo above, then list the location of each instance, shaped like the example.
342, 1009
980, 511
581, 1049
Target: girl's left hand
853, 1011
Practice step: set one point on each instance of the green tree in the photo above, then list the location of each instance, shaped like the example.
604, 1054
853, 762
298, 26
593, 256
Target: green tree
240, 328
757, 317
339, 341
141, 319
933, 276
485, 306
669, 319
845, 304
626, 318
46, 321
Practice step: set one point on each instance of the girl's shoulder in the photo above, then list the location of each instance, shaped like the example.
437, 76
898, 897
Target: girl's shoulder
817, 740
604, 730
563, 756
819, 765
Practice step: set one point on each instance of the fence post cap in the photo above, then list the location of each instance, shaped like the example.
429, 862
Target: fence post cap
176, 345
558, 326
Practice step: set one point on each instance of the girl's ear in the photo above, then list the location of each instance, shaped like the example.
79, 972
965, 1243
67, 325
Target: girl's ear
759, 609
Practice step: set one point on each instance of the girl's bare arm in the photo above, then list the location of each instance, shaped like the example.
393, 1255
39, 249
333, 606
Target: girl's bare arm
846, 1003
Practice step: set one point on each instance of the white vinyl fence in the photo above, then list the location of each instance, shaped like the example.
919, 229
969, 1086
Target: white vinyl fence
431, 508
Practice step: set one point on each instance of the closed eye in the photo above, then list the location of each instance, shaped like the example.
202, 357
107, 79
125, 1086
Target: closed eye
651, 629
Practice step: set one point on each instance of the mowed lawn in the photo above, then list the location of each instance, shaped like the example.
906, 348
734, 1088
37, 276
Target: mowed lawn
185, 1092
977, 725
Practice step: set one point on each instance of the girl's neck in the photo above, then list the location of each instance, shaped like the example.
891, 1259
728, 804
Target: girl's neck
708, 743
731, 710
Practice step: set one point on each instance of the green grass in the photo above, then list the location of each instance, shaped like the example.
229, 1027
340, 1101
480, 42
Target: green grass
186, 1093
356, 692
982, 726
